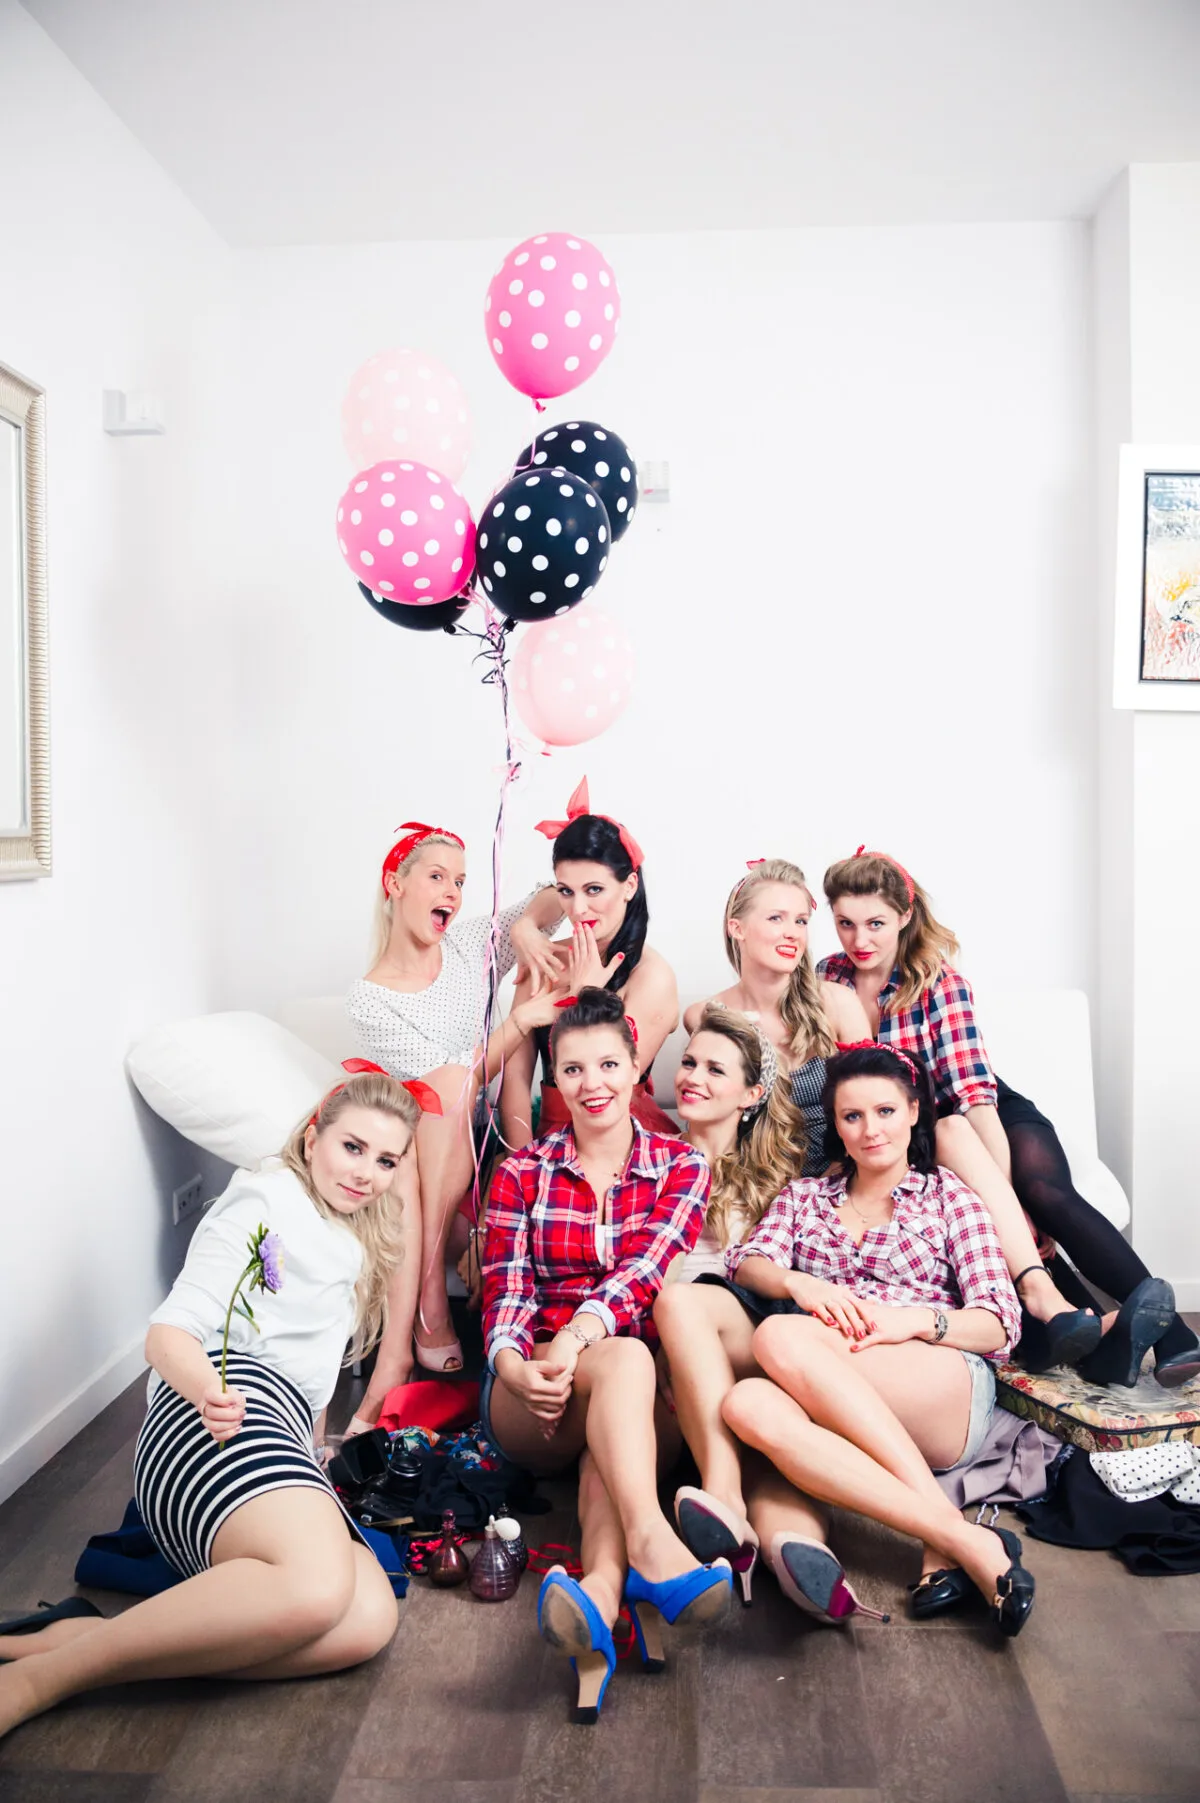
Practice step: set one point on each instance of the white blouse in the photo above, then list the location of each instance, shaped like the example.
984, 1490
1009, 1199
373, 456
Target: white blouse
411, 1035
708, 1254
304, 1327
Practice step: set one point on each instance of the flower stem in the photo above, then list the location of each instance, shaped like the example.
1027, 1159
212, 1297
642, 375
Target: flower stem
237, 1288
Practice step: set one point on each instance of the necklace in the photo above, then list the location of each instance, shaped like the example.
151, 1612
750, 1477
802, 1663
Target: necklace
869, 1225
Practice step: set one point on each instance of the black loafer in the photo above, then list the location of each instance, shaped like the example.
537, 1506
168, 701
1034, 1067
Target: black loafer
939, 1592
1063, 1340
1180, 1368
1141, 1322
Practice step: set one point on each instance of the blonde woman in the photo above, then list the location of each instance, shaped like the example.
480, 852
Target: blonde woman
896, 958
227, 1479
742, 1118
419, 1012
805, 1019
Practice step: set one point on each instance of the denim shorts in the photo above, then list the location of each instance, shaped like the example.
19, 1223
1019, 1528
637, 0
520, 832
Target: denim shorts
983, 1403
487, 1384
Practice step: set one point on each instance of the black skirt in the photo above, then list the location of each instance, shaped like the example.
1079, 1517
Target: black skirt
757, 1307
186, 1488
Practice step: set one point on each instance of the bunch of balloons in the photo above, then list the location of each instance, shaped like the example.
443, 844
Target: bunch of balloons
544, 539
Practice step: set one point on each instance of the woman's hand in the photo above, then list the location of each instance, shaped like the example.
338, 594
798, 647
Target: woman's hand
535, 954
585, 968
222, 1412
892, 1326
539, 1009
543, 1385
833, 1304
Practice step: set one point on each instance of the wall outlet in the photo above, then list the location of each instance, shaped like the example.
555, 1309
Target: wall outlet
188, 1199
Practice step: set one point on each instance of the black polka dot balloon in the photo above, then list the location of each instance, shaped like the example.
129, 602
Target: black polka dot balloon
435, 616
599, 456
542, 544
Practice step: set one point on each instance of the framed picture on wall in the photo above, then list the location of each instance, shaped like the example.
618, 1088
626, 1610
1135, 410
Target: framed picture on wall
1156, 647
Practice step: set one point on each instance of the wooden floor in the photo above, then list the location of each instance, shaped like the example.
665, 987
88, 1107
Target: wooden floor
1098, 1699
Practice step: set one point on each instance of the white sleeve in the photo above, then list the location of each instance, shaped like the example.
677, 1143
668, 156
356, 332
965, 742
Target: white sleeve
473, 934
216, 1258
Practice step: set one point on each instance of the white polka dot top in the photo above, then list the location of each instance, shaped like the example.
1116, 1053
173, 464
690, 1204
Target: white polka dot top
411, 1035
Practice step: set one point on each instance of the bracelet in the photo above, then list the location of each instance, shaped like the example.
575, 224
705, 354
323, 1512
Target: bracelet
941, 1326
577, 1333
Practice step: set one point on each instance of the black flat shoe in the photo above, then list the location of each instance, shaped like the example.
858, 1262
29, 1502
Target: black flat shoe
70, 1609
1014, 1587
1063, 1340
1141, 1322
1180, 1368
940, 1591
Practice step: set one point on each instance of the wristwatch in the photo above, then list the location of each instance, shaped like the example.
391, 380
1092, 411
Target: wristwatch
941, 1326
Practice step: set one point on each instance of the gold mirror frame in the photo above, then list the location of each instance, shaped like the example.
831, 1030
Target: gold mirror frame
27, 853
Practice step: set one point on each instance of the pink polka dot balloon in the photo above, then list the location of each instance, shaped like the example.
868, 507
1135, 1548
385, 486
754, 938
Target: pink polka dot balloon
552, 313
406, 531
572, 677
406, 404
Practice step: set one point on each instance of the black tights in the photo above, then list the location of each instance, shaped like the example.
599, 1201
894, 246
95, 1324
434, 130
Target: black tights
1041, 1177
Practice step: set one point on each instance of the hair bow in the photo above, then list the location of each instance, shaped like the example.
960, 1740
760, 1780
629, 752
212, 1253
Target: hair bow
414, 831
909, 885
577, 807
426, 1097
569, 1001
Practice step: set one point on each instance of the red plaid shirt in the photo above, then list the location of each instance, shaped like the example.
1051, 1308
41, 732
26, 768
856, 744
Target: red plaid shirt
939, 1027
544, 1260
939, 1247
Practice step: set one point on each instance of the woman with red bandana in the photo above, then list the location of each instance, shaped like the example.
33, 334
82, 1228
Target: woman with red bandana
601, 883
896, 957
419, 1012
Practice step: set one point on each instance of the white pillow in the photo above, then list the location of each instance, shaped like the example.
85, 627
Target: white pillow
236, 1084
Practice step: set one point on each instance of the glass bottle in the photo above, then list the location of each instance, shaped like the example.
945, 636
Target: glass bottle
449, 1563
494, 1577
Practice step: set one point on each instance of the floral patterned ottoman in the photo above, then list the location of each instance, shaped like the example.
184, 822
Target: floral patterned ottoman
1097, 1418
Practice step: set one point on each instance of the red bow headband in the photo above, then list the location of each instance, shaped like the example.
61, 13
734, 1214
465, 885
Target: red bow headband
576, 808
910, 887
414, 832
879, 1045
569, 1001
426, 1097
751, 864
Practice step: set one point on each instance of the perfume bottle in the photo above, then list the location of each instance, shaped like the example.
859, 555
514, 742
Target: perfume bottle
449, 1563
494, 1577
511, 1540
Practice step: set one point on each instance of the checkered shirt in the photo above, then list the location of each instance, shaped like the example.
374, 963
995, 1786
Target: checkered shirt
543, 1260
939, 1027
939, 1248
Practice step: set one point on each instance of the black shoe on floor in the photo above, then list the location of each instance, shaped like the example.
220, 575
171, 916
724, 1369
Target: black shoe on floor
1063, 1340
70, 1609
1141, 1322
939, 1591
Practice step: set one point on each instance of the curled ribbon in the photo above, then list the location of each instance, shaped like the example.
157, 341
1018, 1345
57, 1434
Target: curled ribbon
579, 805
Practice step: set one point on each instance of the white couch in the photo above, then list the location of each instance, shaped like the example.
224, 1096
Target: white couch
1039, 1040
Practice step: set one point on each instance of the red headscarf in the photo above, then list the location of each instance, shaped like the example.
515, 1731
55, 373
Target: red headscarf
576, 808
413, 832
895, 863
426, 1097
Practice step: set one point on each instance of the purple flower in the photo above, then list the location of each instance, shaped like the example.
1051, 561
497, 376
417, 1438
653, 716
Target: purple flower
270, 1253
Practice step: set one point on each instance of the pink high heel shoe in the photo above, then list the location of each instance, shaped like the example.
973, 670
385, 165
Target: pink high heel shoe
811, 1577
713, 1531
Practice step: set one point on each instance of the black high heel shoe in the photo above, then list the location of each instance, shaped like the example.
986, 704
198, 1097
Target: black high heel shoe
1179, 1367
1063, 1340
72, 1608
1142, 1320
939, 1592
1015, 1587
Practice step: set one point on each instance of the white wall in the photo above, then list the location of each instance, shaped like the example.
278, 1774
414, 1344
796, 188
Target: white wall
1164, 853
865, 614
109, 279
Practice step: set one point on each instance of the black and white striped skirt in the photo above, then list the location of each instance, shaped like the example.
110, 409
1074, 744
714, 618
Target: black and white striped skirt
186, 1488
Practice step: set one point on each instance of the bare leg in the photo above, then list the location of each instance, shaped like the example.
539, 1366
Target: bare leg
962, 1151
394, 1357
707, 1337
602, 1553
776, 1507
834, 1470
445, 1164
284, 1580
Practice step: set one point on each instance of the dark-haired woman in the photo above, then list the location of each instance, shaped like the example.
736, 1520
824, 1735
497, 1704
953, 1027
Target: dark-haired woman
883, 1292
896, 957
581, 1229
601, 885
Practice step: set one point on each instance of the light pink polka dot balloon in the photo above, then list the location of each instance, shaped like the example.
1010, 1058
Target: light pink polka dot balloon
552, 313
407, 404
573, 676
406, 531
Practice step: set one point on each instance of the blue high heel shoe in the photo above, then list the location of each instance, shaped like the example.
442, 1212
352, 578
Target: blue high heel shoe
699, 1596
570, 1621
